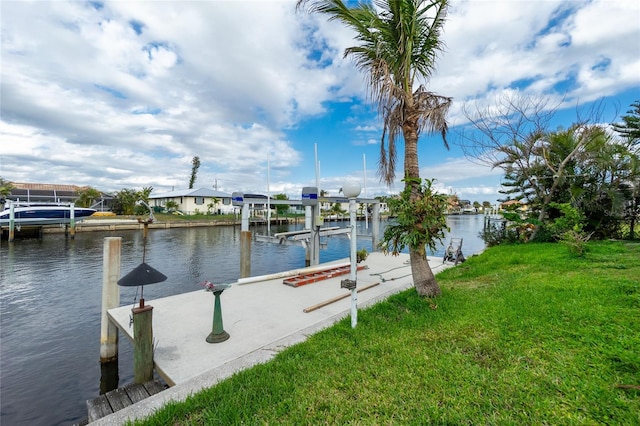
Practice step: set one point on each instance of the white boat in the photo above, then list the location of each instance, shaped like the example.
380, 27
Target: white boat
42, 213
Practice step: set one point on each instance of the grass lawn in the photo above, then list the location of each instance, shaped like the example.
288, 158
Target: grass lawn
522, 335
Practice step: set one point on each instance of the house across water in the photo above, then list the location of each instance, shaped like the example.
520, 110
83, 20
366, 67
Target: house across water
194, 201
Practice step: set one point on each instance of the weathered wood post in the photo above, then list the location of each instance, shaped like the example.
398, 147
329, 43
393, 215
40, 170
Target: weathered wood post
110, 298
142, 344
140, 276
245, 244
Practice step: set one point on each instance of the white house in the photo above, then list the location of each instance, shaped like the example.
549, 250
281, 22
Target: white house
193, 201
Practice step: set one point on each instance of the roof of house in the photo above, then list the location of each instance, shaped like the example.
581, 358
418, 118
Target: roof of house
46, 187
201, 192
48, 191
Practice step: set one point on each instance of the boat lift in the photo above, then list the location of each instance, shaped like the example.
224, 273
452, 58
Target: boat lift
309, 237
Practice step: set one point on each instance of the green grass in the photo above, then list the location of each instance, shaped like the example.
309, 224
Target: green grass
522, 335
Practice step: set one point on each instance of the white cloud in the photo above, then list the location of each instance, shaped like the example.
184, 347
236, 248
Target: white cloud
125, 95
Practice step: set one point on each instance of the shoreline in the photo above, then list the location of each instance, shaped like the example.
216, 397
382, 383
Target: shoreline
94, 225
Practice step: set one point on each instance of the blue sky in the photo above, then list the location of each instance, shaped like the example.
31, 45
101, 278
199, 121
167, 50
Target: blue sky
124, 94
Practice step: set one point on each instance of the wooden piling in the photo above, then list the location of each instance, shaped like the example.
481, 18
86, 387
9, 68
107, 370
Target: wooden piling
142, 344
245, 254
110, 298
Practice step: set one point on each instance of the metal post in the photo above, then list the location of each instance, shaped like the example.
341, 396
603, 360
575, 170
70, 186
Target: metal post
307, 217
268, 198
308, 224
217, 334
375, 226
314, 244
110, 297
366, 213
354, 266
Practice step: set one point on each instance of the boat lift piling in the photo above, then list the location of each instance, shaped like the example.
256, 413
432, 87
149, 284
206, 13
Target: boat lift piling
12, 222
70, 229
245, 242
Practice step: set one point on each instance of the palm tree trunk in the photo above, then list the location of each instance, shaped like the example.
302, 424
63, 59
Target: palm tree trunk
423, 279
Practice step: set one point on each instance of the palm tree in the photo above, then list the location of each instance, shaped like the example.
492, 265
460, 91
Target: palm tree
398, 45
87, 196
630, 126
5, 188
171, 206
212, 204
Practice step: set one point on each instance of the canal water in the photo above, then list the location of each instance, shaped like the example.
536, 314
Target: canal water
50, 299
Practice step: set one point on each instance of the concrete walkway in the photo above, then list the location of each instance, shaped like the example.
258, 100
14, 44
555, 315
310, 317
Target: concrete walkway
262, 317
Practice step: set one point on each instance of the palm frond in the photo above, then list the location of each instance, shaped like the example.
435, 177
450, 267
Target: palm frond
397, 42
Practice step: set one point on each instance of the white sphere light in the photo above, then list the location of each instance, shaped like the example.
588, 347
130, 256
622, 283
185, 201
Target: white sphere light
351, 189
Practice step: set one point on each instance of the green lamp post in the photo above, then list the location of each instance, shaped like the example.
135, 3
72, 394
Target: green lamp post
217, 334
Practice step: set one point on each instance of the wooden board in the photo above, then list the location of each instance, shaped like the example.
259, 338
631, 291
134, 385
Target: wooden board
120, 398
98, 408
154, 387
313, 277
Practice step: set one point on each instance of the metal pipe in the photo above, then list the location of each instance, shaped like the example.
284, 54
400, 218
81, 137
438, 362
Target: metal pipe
354, 266
335, 299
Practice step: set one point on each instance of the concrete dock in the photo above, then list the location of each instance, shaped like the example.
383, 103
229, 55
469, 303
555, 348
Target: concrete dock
262, 317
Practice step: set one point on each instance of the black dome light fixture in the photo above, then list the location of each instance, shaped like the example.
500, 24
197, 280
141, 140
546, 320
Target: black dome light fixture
143, 274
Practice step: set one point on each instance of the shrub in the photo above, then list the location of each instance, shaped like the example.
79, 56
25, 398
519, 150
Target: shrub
493, 235
576, 241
